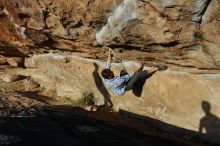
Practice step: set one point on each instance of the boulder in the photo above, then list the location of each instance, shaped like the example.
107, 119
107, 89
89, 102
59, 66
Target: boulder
184, 34
173, 97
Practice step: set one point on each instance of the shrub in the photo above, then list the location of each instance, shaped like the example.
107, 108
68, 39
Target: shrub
88, 98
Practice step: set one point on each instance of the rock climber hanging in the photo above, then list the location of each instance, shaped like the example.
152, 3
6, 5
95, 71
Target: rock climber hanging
125, 81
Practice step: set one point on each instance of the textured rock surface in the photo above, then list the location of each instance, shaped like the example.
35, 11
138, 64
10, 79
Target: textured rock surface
3, 60
155, 32
16, 61
11, 77
170, 96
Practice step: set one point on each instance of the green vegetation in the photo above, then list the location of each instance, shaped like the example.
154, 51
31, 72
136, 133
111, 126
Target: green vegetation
88, 98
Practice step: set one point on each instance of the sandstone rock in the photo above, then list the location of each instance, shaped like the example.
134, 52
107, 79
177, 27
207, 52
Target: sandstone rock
16, 61
156, 32
67, 91
3, 60
11, 77
28, 62
172, 97
31, 85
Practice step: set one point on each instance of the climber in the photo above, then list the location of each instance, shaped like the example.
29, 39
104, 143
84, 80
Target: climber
126, 81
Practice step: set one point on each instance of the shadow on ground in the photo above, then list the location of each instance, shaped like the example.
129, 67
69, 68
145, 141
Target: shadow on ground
67, 125
101, 87
210, 123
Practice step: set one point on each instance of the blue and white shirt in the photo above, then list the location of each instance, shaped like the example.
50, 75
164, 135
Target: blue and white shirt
117, 84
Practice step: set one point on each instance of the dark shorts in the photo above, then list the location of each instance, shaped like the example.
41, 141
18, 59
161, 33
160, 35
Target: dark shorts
122, 73
135, 78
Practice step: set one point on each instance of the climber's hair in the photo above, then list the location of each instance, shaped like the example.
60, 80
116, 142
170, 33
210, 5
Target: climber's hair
106, 73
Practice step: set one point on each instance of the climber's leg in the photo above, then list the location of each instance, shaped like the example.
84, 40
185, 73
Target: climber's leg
139, 68
135, 78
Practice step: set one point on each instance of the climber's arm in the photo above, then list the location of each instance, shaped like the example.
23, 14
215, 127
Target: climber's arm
108, 63
109, 56
123, 67
119, 60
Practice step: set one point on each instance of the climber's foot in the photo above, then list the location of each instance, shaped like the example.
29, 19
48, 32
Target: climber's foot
139, 67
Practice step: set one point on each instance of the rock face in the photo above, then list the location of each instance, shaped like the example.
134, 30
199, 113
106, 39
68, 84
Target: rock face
3, 60
183, 34
11, 77
173, 97
16, 61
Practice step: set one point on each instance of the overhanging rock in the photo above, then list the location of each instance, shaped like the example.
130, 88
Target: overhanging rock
170, 96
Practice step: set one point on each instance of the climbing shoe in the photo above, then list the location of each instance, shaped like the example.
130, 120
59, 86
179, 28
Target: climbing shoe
162, 68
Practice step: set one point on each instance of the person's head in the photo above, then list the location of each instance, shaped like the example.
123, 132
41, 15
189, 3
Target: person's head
206, 106
107, 74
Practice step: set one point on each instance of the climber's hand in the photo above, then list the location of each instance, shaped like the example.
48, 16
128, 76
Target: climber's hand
119, 60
